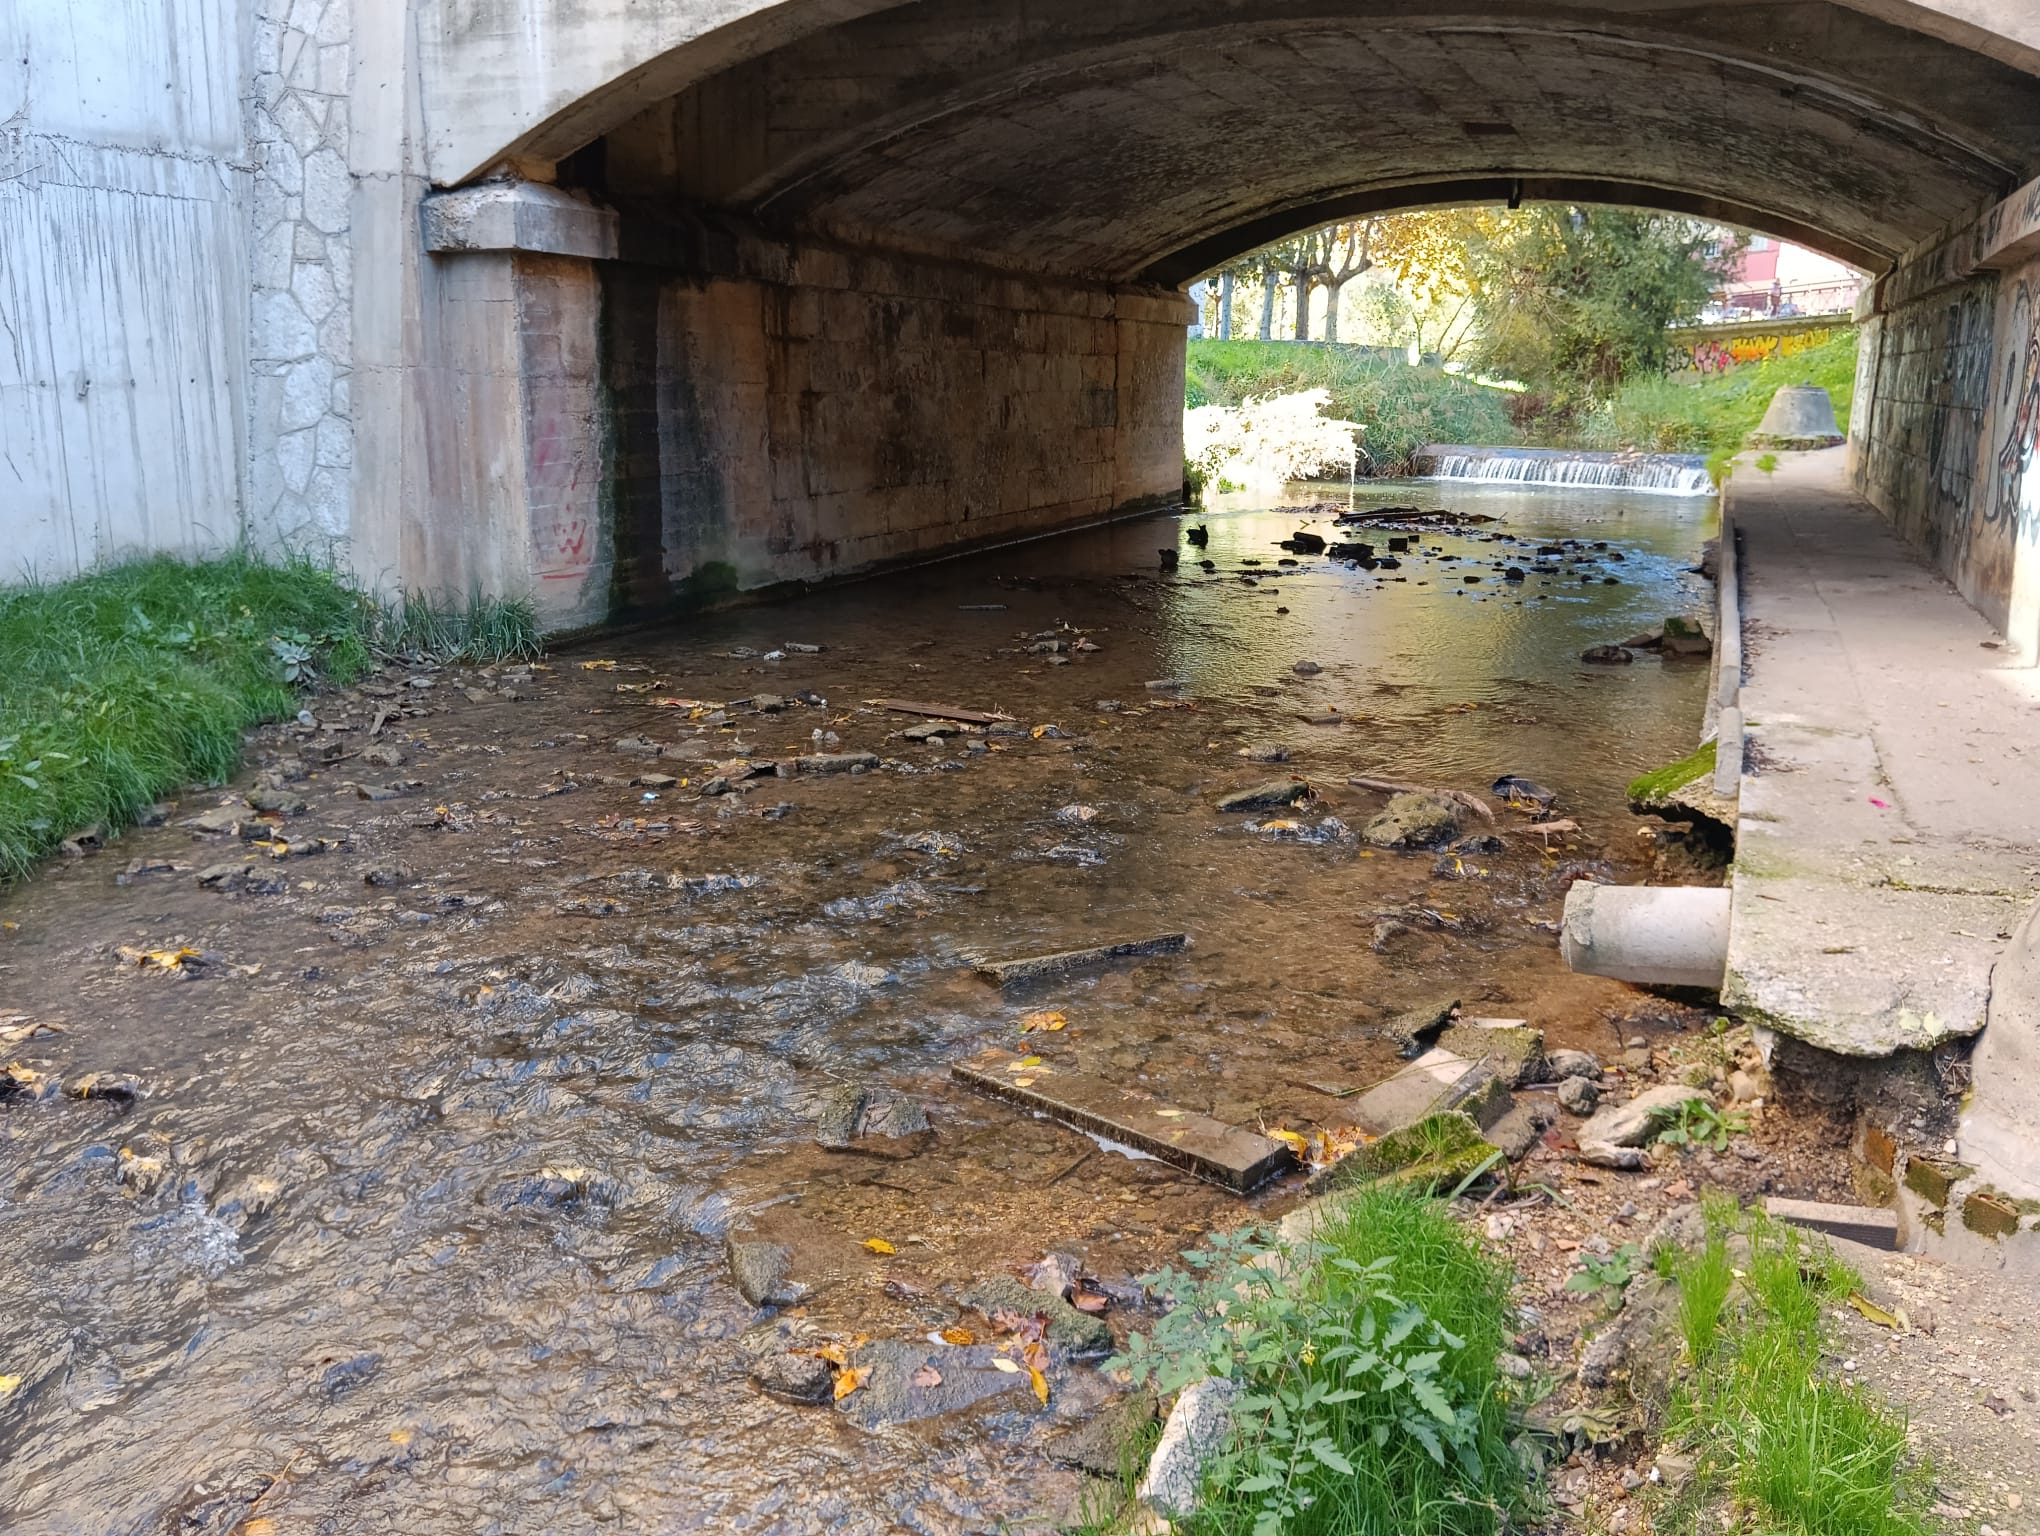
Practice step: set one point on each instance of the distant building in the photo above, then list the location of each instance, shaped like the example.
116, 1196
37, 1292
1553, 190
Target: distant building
1772, 279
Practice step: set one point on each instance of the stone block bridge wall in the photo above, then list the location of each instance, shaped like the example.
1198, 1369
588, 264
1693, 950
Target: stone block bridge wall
1947, 419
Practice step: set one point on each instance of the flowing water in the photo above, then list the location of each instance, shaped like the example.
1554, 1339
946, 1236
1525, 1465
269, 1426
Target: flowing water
1662, 474
418, 1225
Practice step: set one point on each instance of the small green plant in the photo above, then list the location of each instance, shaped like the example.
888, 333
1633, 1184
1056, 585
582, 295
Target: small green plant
1771, 1427
1606, 1275
1702, 1124
1371, 1396
1767, 462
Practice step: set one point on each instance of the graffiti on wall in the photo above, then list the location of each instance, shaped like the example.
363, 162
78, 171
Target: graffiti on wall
1712, 355
2006, 506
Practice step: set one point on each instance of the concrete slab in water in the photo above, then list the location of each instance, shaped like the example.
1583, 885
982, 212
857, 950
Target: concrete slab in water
1042, 967
1222, 1154
1435, 1082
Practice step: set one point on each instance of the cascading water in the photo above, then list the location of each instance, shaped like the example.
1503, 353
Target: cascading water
1661, 474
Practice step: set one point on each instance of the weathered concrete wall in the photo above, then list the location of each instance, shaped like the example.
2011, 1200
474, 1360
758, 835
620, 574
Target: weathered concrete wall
813, 413
123, 261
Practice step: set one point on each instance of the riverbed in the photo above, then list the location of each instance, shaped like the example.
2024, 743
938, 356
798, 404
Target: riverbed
418, 1222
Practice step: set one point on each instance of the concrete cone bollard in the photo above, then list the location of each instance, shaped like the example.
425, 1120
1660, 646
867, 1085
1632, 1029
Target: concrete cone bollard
1800, 416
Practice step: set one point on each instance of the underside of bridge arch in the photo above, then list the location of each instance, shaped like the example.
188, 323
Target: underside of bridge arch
877, 279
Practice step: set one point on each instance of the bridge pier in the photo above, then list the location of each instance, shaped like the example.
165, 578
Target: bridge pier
619, 415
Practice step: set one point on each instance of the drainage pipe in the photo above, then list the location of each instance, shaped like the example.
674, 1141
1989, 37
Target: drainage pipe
1658, 935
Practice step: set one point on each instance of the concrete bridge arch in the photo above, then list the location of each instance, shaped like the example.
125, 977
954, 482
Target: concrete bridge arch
624, 301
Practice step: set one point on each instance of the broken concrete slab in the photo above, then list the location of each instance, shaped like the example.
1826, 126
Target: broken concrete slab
1226, 1155
1064, 962
1875, 1226
1436, 1155
1433, 1083
1267, 796
1199, 1425
1512, 1050
836, 762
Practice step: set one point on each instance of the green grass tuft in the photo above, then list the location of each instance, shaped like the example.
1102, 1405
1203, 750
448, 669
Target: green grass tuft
1773, 1428
125, 684
1651, 788
1402, 407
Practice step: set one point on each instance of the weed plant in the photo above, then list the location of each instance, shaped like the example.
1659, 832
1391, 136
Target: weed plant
125, 684
1775, 1432
1372, 1404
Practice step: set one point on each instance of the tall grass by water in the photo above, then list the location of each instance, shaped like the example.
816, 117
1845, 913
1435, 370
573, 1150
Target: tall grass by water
128, 683
1402, 407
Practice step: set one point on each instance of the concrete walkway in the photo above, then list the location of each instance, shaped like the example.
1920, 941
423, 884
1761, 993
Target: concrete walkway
1890, 801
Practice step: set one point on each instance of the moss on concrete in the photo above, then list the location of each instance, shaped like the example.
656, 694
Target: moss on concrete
1435, 1156
1650, 791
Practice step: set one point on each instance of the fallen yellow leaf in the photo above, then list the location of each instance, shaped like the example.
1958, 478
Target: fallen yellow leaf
1871, 1310
1291, 1138
1024, 1063
598, 666
879, 1245
958, 1336
400, 1437
1040, 1385
1047, 1019
261, 1525
8, 1384
847, 1382
1001, 1363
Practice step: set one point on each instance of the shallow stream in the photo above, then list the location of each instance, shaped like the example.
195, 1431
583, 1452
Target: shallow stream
419, 1223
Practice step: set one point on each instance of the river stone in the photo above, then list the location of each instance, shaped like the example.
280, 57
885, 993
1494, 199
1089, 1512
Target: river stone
1414, 821
1513, 1052
1266, 797
1563, 1064
1635, 1123
890, 1113
1578, 1094
797, 1378
1518, 1131
1682, 637
835, 762
759, 1271
1098, 1445
1606, 656
889, 1396
1412, 1028
1198, 1427
1080, 1333
841, 1111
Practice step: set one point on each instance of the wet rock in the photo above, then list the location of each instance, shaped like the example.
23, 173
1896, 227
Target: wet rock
1433, 1155
223, 818
1513, 1052
1269, 753
1077, 1333
277, 802
591, 906
836, 762
344, 1376
1098, 1445
1306, 668
761, 1272
1413, 1028
1682, 637
636, 746
896, 1392
1055, 1274
1606, 656
1563, 1064
1386, 932
891, 1114
1414, 821
1647, 640
1522, 793
1199, 536
137, 1172
841, 1112
793, 1376
1633, 1124
932, 730
1480, 844
1077, 815
121, 1088
378, 791
1578, 1095
383, 755
387, 875
1306, 543
1199, 1425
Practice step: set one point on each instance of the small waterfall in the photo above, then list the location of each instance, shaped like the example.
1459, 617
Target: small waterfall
1660, 474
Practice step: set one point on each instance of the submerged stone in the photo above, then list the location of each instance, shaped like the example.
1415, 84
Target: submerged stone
1435, 1155
1414, 821
1078, 1333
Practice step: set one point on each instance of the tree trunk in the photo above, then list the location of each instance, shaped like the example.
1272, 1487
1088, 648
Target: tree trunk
1267, 305
1225, 306
1332, 293
1301, 276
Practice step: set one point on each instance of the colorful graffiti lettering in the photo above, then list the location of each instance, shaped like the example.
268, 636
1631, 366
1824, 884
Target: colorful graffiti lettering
1712, 356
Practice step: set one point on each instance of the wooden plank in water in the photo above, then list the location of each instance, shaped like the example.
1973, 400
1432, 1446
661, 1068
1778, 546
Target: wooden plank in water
939, 711
1227, 1155
1063, 962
